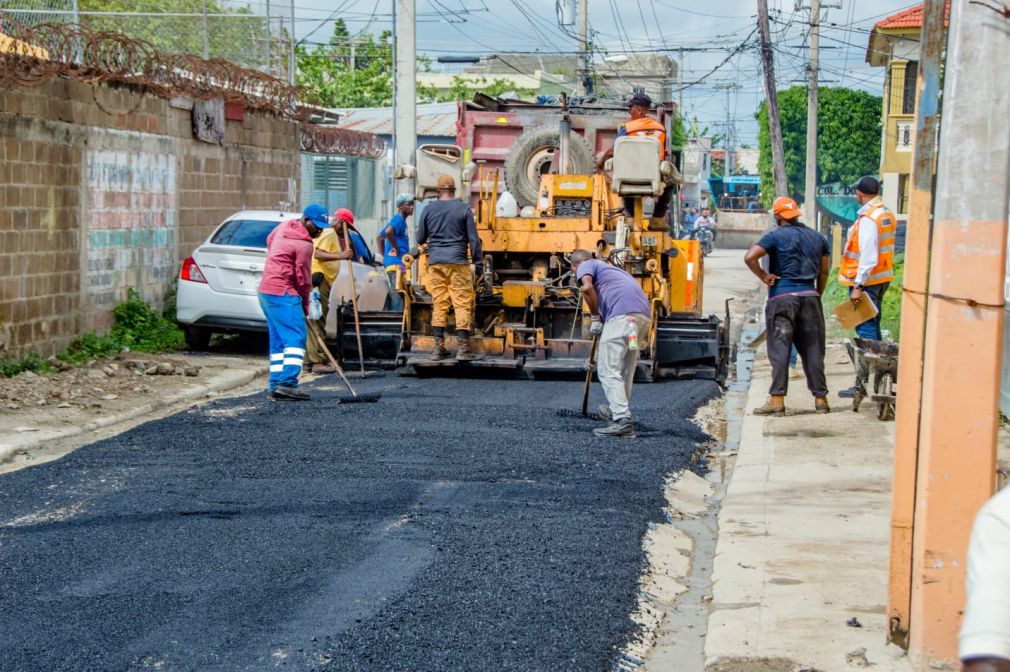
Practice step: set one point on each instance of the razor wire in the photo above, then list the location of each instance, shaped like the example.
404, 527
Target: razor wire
332, 140
34, 55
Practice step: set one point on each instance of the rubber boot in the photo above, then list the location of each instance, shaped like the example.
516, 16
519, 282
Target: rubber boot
465, 352
821, 405
776, 405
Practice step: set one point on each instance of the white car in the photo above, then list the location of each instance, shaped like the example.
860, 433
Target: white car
218, 283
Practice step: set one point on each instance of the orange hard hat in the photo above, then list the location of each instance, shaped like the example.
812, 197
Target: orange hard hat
786, 208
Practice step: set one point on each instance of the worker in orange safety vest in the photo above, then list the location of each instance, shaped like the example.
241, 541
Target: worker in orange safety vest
641, 125
867, 265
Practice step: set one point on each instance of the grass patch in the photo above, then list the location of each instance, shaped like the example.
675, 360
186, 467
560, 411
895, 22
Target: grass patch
835, 293
138, 327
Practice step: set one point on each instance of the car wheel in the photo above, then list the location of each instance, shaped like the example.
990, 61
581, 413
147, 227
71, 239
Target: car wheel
197, 338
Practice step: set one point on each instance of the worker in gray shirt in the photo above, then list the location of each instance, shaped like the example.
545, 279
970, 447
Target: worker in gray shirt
448, 228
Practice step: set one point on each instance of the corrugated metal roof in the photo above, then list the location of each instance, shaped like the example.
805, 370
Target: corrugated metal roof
908, 18
437, 120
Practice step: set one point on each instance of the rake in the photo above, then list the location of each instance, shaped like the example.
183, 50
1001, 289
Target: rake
355, 398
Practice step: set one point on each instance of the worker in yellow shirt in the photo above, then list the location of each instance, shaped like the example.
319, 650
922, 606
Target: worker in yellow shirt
325, 267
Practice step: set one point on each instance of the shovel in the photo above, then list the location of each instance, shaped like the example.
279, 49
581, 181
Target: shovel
589, 376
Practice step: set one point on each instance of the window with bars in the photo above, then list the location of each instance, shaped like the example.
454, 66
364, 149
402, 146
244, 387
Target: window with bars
908, 92
339, 182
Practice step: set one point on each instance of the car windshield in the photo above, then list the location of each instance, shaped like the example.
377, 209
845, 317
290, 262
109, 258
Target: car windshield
244, 233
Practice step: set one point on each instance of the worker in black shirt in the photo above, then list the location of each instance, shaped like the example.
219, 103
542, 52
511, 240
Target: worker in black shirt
447, 226
797, 275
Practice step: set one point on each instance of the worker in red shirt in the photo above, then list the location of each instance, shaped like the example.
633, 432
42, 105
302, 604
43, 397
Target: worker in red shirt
284, 297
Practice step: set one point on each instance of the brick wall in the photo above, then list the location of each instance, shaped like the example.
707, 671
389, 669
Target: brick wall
103, 189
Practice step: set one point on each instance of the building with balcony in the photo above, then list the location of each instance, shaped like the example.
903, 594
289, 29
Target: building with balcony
894, 45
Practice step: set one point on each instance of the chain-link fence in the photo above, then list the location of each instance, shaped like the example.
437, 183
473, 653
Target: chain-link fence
251, 33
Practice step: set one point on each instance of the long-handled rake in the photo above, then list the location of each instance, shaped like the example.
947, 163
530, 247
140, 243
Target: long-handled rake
355, 398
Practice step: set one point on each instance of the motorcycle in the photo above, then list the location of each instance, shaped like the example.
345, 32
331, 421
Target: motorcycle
705, 237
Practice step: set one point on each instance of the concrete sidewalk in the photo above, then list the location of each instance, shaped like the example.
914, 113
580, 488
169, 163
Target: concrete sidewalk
803, 537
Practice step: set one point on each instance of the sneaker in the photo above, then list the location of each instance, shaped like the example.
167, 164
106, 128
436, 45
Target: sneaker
288, 393
622, 428
776, 405
821, 405
847, 393
605, 413
322, 369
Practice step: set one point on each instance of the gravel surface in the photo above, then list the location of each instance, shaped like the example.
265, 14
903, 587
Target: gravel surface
455, 525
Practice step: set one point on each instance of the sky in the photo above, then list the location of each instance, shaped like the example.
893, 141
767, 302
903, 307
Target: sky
732, 92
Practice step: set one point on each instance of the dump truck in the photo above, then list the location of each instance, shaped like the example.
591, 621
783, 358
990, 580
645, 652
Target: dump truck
529, 317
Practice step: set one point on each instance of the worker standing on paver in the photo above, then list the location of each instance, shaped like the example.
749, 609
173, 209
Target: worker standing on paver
447, 227
284, 297
620, 320
867, 265
395, 243
799, 259
985, 631
641, 125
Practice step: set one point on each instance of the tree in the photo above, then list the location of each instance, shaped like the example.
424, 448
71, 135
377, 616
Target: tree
464, 88
848, 138
233, 33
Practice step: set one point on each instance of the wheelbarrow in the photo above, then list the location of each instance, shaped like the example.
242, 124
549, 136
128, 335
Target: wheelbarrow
878, 359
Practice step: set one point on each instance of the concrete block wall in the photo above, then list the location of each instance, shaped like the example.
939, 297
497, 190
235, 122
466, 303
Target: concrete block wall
103, 189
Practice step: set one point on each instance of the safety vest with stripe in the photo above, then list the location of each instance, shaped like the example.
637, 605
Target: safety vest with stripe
647, 127
884, 270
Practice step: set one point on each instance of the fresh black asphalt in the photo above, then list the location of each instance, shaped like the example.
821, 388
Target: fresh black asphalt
454, 525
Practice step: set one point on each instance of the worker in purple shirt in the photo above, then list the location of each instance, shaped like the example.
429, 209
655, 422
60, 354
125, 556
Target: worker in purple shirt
621, 318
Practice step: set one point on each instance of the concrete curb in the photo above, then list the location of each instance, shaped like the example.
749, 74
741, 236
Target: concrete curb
222, 382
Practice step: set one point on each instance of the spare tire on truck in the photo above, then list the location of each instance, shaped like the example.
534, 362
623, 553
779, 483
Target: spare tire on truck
531, 156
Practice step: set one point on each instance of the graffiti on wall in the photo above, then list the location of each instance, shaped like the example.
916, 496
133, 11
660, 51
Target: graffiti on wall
131, 227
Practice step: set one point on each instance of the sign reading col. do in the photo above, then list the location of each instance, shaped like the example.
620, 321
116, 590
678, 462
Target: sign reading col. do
131, 227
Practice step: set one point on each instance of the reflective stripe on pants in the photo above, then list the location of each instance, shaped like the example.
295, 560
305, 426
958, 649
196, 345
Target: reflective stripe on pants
286, 325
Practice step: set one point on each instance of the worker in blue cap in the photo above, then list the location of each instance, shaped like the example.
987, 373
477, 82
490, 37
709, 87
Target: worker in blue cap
394, 241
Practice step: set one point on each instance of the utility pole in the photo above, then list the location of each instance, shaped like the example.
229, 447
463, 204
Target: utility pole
964, 326
730, 158
772, 102
206, 32
913, 319
810, 188
584, 46
405, 97
680, 83
291, 52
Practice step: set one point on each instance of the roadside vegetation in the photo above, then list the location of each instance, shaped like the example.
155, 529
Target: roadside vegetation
138, 327
891, 324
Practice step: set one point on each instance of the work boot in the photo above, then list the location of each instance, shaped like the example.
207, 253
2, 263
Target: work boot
288, 393
465, 352
322, 369
776, 405
821, 405
605, 413
622, 428
440, 352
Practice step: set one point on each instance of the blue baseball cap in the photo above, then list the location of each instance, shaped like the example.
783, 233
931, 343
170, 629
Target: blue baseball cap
404, 198
317, 214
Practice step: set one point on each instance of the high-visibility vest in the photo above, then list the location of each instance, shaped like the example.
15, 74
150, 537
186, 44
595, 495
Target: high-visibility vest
647, 127
886, 224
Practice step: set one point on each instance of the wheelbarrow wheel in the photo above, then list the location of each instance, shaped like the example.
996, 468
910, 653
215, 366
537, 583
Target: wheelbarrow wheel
885, 386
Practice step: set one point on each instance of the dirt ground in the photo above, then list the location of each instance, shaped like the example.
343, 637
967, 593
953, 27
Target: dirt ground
77, 396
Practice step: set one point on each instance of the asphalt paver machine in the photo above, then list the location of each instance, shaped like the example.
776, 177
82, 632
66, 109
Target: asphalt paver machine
529, 317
